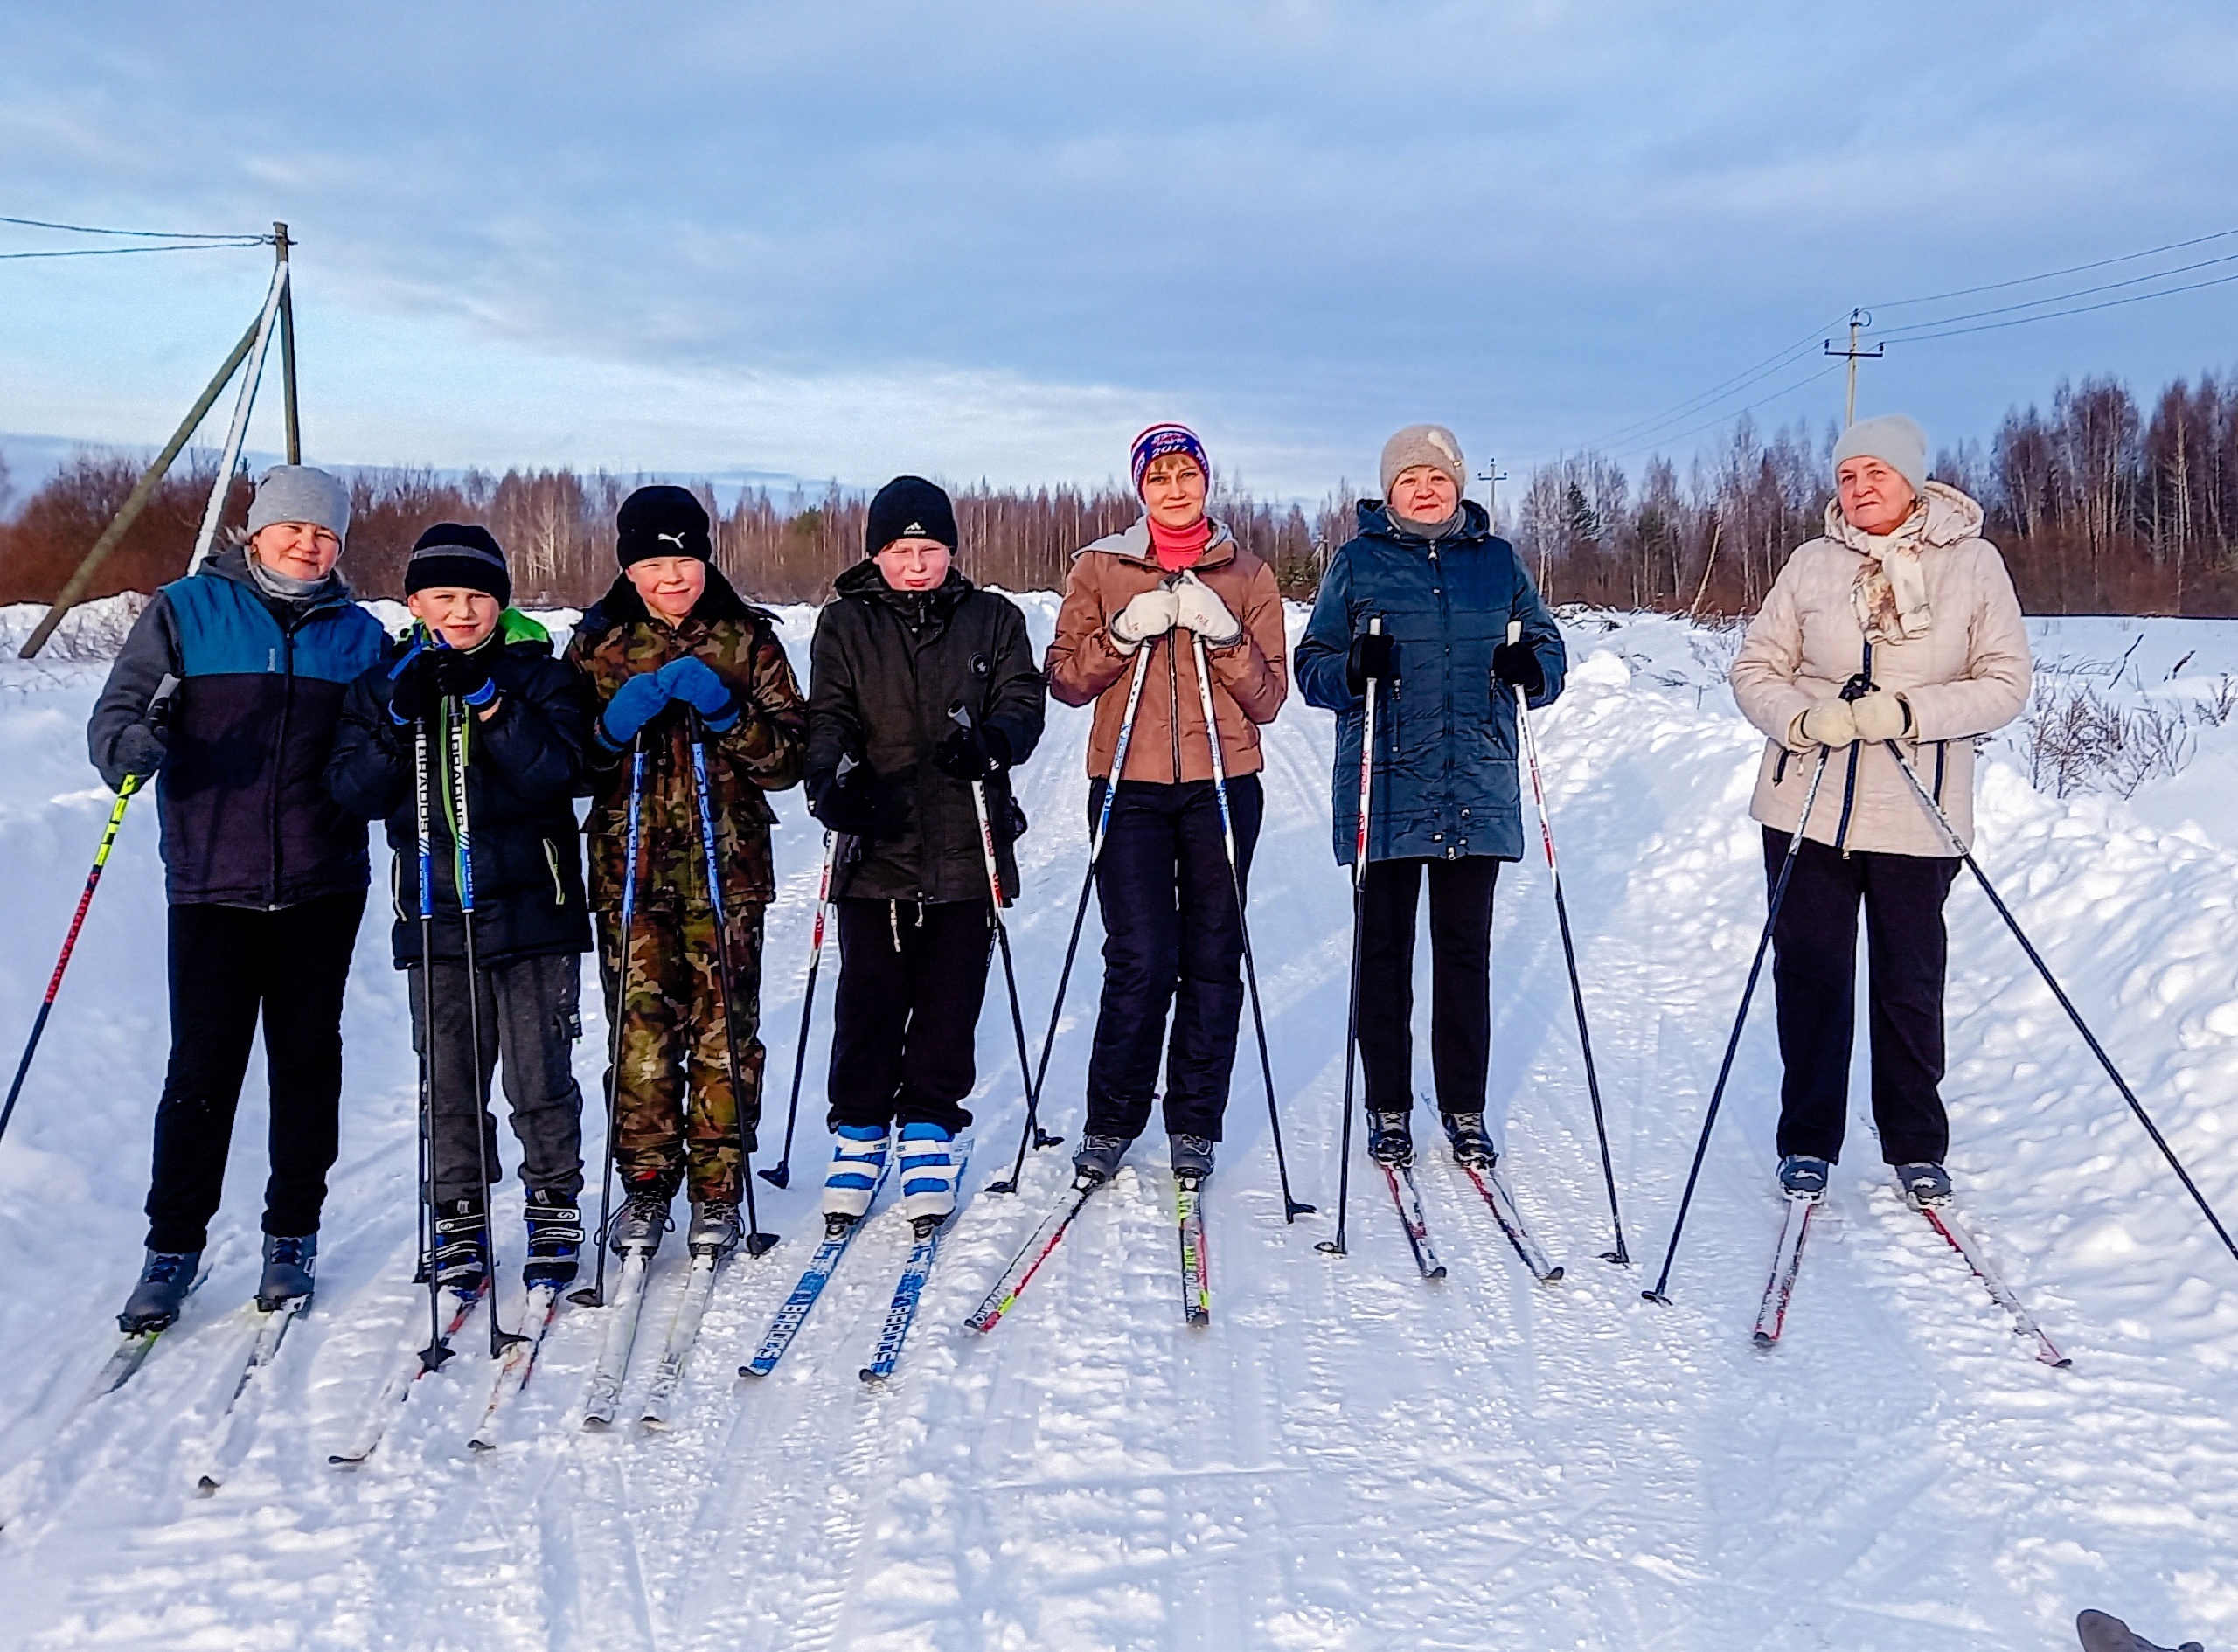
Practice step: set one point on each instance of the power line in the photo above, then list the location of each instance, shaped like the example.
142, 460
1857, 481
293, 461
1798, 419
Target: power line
2079, 310
2051, 274
142, 235
119, 251
1727, 418
2061, 298
1694, 404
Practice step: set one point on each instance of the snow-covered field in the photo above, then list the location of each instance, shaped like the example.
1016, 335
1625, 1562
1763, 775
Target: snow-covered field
1348, 1457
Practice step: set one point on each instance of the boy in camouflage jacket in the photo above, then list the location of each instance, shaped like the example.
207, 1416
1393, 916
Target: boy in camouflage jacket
671, 650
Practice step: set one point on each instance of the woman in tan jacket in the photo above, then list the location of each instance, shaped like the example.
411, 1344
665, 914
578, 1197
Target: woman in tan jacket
1135, 604
1895, 637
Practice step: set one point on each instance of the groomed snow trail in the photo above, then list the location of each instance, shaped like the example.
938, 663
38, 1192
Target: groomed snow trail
1347, 1457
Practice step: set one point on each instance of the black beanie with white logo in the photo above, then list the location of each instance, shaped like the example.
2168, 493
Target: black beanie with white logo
661, 521
908, 507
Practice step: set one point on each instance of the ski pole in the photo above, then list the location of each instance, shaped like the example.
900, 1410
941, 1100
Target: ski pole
1741, 1019
596, 1296
1032, 1132
1619, 1256
2066, 1004
437, 1350
1292, 1207
1336, 1246
781, 1172
461, 716
962, 718
158, 714
69, 944
756, 1240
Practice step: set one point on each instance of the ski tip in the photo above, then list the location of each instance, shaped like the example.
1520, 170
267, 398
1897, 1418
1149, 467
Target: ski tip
206, 1487
597, 1424
1436, 1272
777, 1175
480, 1446
653, 1424
344, 1460
1552, 1276
1764, 1340
755, 1370
873, 1378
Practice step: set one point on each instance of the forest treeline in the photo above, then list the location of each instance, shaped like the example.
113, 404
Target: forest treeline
2100, 505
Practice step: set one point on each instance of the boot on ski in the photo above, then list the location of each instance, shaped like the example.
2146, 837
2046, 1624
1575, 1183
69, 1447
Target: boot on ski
1097, 1162
928, 1174
2100, 1633
555, 1239
461, 1245
857, 1160
1192, 1158
644, 1218
1471, 1146
714, 1230
1803, 1176
165, 1278
1391, 1139
288, 1264
1925, 1184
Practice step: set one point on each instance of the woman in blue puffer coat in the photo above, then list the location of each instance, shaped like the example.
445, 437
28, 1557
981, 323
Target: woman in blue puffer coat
1447, 798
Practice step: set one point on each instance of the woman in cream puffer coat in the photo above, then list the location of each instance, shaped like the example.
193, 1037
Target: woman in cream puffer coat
1906, 608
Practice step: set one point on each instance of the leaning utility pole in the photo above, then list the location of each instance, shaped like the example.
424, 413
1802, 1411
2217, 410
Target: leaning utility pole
254, 344
1858, 318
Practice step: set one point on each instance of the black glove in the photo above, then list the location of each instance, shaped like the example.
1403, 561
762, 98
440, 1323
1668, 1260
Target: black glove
848, 802
1517, 665
140, 750
1370, 660
465, 674
975, 753
414, 688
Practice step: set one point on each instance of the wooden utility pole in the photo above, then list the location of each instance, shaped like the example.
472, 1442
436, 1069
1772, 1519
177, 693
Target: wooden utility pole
280, 246
1491, 476
1858, 318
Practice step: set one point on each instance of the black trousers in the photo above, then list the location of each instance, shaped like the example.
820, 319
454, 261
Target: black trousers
229, 967
529, 1011
1172, 941
1461, 972
1814, 977
906, 1014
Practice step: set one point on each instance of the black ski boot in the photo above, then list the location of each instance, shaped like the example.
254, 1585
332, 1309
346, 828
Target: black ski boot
644, 1218
1805, 1177
1471, 1146
155, 1300
1192, 1157
1925, 1184
555, 1239
462, 1243
1391, 1139
287, 1266
1097, 1162
714, 1230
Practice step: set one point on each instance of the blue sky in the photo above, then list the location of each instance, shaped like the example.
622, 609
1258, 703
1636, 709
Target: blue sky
847, 239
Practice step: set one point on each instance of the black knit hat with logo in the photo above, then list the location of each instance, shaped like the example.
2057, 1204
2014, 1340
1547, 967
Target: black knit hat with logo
908, 507
661, 521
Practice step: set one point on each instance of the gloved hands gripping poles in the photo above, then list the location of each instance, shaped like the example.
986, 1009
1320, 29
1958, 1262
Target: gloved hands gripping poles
1033, 1131
1530, 741
1370, 683
1292, 1207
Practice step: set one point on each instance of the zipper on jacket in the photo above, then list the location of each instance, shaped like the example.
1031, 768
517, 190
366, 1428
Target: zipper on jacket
278, 754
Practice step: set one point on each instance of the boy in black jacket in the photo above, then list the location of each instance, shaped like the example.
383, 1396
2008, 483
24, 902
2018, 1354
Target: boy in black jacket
908, 639
481, 677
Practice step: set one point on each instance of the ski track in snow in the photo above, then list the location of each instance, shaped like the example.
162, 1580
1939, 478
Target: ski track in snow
1348, 1457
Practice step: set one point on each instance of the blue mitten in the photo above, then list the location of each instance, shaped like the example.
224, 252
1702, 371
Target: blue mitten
635, 703
694, 682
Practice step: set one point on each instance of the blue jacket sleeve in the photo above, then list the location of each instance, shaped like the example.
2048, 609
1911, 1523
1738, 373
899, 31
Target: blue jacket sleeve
1539, 631
1326, 646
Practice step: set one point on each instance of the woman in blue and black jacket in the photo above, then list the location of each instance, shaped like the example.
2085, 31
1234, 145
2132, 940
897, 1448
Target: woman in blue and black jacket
1446, 799
228, 692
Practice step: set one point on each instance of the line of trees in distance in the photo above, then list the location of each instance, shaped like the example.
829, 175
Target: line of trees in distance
2101, 506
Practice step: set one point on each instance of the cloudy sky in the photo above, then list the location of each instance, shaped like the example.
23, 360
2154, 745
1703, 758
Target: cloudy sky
844, 240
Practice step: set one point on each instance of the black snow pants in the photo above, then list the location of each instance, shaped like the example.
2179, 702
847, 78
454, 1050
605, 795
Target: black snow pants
530, 1016
229, 965
1172, 940
905, 1015
1461, 969
1814, 977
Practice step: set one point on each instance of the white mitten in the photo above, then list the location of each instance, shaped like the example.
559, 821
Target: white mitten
1828, 722
1149, 614
1880, 716
1198, 607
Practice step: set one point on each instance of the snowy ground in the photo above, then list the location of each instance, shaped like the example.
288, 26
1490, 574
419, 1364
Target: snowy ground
1347, 1458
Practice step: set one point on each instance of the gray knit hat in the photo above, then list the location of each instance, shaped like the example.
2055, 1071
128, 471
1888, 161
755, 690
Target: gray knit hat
300, 493
1424, 445
1893, 438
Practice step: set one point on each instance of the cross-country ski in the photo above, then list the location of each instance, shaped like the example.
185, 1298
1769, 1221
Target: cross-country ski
396, 1390
909, 1289
1787, 1263
244, 1395
1492, 1186
515, 1366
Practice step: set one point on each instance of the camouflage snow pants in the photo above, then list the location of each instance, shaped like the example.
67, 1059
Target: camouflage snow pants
677, 1115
